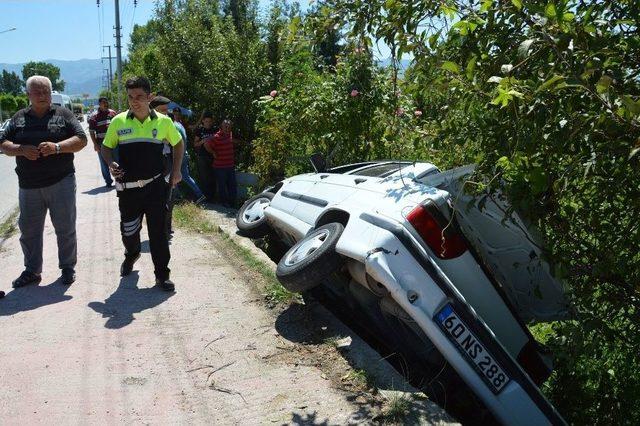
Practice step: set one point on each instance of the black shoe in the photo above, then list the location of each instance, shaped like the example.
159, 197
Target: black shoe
68, 276
166, 285
127, 264
26, 278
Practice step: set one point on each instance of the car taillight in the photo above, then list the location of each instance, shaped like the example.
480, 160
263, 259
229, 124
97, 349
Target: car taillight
440, 235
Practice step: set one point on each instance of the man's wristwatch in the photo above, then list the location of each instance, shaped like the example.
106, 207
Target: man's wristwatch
57, 148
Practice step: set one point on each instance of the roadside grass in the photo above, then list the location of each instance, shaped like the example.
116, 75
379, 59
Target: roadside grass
9, 226
332, 341
361, 378
191, 217
397, 409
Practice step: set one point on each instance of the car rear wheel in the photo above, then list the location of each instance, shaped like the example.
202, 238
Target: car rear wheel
311, 260
251, 220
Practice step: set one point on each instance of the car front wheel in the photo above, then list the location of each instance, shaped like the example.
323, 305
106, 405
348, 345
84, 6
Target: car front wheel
311, 260
251, 220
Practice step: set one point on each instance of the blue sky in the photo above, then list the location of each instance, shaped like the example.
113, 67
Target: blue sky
68, 29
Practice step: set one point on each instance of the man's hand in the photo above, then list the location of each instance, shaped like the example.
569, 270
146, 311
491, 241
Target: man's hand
96, 147
176, 177
29, 151
115, 170
47, 148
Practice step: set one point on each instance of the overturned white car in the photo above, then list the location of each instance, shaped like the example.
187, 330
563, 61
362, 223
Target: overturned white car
423, 250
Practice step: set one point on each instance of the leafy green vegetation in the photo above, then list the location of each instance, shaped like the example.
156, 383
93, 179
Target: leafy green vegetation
9, 226
543, 95
397, 409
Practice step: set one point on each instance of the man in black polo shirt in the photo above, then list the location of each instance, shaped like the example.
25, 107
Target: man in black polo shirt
43, 138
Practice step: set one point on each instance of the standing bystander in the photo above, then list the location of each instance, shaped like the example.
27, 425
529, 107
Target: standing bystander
43, 138
98, 124
161, 105
205, 131
220, 146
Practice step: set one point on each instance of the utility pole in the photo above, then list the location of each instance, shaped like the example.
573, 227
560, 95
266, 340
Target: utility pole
106, 81
119, 54
110, 66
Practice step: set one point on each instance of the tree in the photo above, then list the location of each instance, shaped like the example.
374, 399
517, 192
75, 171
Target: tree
243, 13
8, 104
22, 101
10, 82
46, 69
325, 30
545, 96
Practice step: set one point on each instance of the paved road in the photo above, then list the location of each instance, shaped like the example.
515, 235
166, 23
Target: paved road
112, 350
9, 187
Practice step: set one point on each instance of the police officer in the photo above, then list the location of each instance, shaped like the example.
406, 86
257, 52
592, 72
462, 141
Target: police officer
140, 134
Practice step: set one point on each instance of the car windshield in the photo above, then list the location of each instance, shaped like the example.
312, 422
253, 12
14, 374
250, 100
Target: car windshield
381, 170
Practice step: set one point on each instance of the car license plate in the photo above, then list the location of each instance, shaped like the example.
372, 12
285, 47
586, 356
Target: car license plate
473, 350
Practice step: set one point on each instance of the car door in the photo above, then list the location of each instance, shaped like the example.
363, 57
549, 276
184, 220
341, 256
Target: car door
328, 189
287, 198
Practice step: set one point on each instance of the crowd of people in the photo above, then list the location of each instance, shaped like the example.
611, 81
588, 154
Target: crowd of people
142, 151
213, 145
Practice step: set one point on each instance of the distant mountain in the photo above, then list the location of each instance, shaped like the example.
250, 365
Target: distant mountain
81, 76
386, 62
85, 75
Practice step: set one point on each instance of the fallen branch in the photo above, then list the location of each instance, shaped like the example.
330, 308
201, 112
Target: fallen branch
215, 340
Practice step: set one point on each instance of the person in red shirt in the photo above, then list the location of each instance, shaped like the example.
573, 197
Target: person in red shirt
98, 124
220, 145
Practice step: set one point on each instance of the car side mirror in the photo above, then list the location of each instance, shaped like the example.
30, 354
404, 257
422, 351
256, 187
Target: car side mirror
318, 162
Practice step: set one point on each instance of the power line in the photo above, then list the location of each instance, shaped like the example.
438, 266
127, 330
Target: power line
99, 27
133, 16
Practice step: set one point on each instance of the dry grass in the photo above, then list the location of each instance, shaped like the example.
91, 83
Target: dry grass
10, 225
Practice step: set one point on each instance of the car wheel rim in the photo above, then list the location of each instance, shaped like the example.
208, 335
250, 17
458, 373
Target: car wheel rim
306, 247
255, 211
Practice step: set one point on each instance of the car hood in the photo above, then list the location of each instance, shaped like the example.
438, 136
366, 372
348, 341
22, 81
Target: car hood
508, 248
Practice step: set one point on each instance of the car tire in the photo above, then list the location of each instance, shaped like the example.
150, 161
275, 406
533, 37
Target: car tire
250, 219
311, 260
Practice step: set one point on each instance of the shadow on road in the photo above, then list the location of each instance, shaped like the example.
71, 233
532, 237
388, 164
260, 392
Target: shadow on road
128, 300
33, 297
99, 190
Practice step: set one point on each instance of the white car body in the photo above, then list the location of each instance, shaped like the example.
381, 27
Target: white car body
492, 288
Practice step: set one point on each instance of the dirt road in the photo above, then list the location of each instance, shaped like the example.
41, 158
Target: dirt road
109, 350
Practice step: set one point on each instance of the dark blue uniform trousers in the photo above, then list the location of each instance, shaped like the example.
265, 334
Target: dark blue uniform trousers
149, 201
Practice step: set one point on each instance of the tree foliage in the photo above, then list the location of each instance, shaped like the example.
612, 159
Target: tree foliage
45, 69
546, 96
10, 82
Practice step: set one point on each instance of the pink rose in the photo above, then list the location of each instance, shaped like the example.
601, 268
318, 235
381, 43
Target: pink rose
399, 111
273, 93
354, 93
417, 113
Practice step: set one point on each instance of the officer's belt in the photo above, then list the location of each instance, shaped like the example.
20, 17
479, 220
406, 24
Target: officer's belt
121, 186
